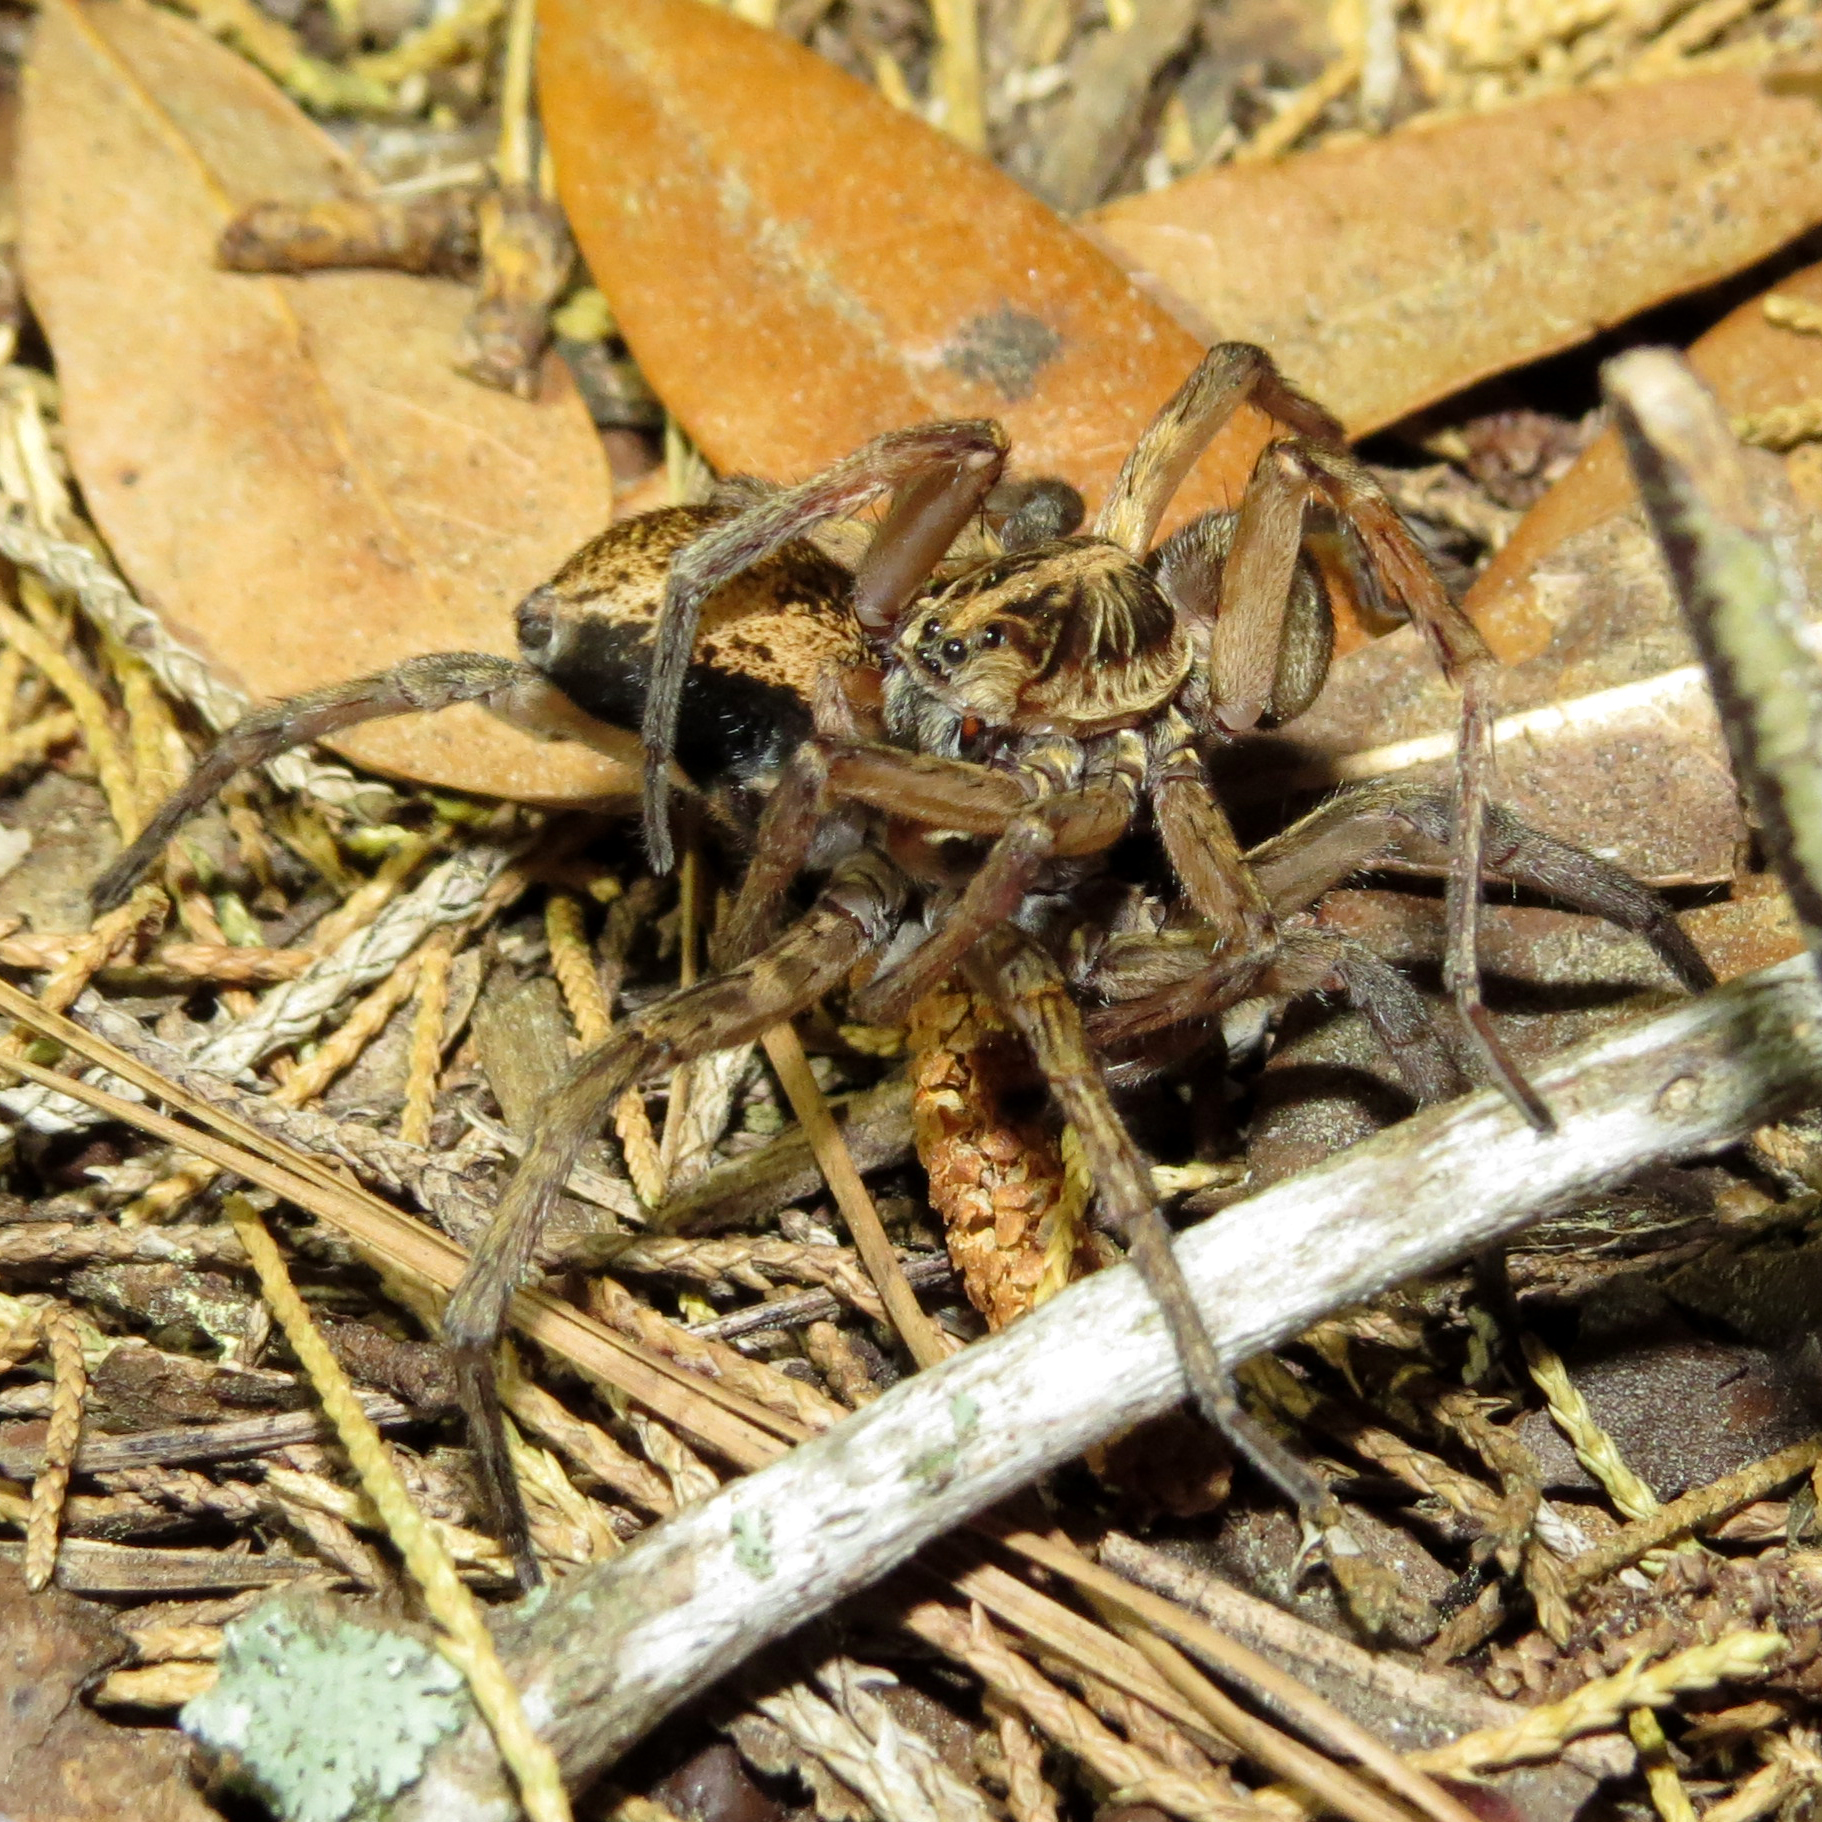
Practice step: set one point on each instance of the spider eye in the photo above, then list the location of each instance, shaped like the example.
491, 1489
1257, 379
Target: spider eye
954, 651
994, 635
929, 630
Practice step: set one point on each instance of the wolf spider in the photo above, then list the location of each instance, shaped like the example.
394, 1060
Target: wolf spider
1040, 695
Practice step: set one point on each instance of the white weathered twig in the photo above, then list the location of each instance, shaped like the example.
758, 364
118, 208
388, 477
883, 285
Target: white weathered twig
290, 1013
620, 1644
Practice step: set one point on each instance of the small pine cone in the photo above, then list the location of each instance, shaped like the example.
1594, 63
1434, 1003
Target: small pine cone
1013, 1210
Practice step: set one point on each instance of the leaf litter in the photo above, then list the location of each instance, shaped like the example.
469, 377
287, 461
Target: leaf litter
1690, 1279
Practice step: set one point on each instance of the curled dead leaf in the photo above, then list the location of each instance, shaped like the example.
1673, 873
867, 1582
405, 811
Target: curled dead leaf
289, 469
1597, 658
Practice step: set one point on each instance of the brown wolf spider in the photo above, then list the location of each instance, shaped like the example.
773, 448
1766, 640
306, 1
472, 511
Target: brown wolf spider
1040, 694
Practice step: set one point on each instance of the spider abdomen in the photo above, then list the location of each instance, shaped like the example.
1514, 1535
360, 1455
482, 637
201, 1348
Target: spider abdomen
765, 637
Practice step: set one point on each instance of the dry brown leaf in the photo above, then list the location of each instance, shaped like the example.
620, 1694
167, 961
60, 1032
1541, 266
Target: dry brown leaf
799, 266
289, 469
60, 1762
1752, 364
1387, 273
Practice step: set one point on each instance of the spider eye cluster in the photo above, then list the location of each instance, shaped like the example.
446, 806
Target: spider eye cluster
940, 653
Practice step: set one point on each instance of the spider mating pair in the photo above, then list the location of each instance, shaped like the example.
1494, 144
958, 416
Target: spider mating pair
956, 724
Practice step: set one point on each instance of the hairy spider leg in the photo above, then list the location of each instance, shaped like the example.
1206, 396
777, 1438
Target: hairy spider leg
1128, 972
504, 686
851, 920
1464, 658
1015, 972
1248, 641
1200, 843
1062, 821
1228, 376
1401, 819
941, 474
1396, 820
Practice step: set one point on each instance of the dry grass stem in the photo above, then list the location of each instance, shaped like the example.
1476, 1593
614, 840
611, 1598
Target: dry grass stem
157, 1644
586, 1444
1029, 1797
739, 1428
1781, 426
31, 743
833, 1354
1594, 1448
803, 1404
919, 1334
1661, 1779
426, 1060
1796, 313
91, 712
958, 71
1159, 1622
1139, 1777
1696, 1509
168, 1685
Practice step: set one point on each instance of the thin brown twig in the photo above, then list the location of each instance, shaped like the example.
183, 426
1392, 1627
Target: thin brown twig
1229, 1658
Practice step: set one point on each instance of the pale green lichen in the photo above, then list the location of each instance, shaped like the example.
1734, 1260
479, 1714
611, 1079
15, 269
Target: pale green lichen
753, 1544
937, 1466
325, 1720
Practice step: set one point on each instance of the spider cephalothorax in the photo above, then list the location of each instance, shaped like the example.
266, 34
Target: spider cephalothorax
1045, 693
1067, 637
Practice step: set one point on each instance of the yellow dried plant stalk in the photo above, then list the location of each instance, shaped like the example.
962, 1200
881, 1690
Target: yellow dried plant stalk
1594, 1448
166, 1685
1797, 313
1599, 1705
1029, 1797
621, 1310
1668, 1796
21, 1329
586, 1444
833, 1354
44, 654
1135, 1773
574, 966
1781, 427
159, 1644
464, 1639
426, 1046
1012, 1212
28, 744
567, 1528
70, 1385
